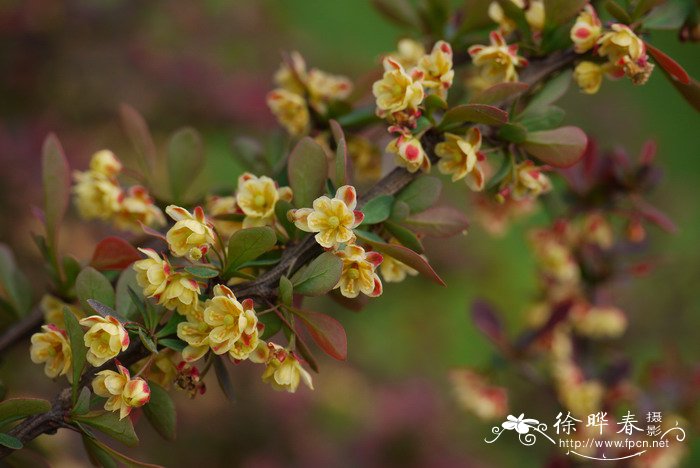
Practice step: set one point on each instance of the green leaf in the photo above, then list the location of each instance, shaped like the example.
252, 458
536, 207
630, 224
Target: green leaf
170, 328
474, 16
561, 147
400, 12
114, 253
500, 93
286, 291
326, 331
123, 302
542, 119
439, 221
307, 171
246, 245
106, 455
272, 324
202, 272
147, 341
137, 130
377, 209
71, 269
15, 409
434, 102
185, 161
91, 284
320, 276
644, 6
669, 15
341, 154
282, 207
617, 12
405, 236
513, 132
550, 92
98, 456
407, 256
477, 113
399, 210
223, 377
172, 343
10, 442
82, 404
109, 423
77, 347
104, 310
160, 411
56, 182
368, 235
14, 286
420, 194
557, 12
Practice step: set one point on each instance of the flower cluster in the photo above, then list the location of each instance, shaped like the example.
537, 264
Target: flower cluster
122, 392
624, 50
300, 90
98, 195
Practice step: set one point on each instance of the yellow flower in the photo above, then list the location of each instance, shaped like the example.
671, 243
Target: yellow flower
588, 76
257, 197
152, 273
358, 273
619, 43
461, 156
105, 163
324, 87
586, 30
534, 15
51, 347
397, 91
291, 75
230, 321
52, 307
408, 53
498, 61
223, 206
530, 181
96, 195
191, 235
554, 258
437, 68
409, 153
366, 158
394, 271
290, 109
181, 294
475, 394
284, 371
599, 322
162, 369
137, 208
195, 332
122, 392
105, 339
333, 219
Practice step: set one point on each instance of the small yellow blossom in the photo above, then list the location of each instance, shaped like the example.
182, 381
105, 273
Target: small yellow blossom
181, 294
231, 321
586, 30
358, 274
530, 181
284, 371
257, 197
461, 157
408, 53
599, 322
498, 61
394, 271
554, 258
535, 15
137, 208
122, 392
397, 91
324, 87
152, 273
475, 394
366, 158
437, 68
224, 206
333, 219
105, 163
588, 76
191, 235
96, 195
291, 111
52, 307
162, 369
408, 152
291, 75
194, 332
619, 43
105, 339
51, 347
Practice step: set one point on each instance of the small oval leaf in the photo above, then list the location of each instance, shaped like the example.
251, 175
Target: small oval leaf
114, 253
307, 170
320, 276
477, 113
561, 147
327, 332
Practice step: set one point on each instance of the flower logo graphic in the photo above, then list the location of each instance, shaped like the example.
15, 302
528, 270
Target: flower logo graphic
519, 424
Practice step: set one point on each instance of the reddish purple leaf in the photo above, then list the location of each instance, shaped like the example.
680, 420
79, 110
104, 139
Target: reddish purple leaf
655, 216
669, 65
561, 147
114, 253
486, 321
439, 221
56, 180
326, 331
137, 130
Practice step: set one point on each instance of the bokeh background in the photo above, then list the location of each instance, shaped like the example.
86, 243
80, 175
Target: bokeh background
65, 66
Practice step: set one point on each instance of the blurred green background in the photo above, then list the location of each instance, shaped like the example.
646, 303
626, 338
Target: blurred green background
66, 66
